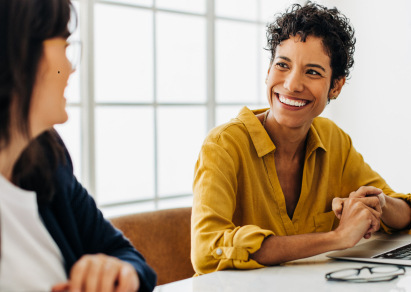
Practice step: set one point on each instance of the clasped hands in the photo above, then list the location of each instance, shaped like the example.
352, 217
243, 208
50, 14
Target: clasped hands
359, 214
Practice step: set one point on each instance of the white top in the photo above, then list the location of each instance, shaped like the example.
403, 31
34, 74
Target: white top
30, 259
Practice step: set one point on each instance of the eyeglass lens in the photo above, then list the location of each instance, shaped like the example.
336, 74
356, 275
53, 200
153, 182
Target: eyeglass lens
364, 274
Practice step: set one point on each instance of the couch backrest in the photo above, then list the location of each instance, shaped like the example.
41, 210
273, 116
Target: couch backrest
163, 238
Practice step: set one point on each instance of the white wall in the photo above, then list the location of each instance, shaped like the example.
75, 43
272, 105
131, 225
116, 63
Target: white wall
375, 105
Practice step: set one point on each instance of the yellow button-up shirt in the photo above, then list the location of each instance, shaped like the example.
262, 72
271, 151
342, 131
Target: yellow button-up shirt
238, 200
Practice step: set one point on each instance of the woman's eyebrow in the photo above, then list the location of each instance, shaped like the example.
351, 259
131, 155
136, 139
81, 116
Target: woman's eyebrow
284, 58
316, 66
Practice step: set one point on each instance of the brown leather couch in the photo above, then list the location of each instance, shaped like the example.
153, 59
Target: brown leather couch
163, 238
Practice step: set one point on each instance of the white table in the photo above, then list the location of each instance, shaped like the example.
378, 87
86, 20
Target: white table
301, 275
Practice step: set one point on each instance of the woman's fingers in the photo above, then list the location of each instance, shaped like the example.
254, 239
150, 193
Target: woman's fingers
381, 197
61, 287
371, 196
79, 273
357, 220
94, 276
373, 202
103, 273
375, 222
110, 276
365, 191
128, 279
337, 206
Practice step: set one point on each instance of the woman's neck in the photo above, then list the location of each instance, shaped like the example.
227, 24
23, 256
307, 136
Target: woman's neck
289, 142
10, 155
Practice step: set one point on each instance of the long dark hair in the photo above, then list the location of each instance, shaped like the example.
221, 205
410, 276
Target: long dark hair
24, 25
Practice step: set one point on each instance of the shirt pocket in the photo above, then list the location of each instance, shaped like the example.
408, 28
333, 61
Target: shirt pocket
324, 222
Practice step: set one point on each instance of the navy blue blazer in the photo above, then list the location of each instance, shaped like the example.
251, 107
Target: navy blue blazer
78, 227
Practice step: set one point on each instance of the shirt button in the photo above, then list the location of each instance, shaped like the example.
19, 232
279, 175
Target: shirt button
219, 251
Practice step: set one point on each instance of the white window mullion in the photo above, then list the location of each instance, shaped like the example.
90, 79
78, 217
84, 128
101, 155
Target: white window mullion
211, 105
87, 95
155, 117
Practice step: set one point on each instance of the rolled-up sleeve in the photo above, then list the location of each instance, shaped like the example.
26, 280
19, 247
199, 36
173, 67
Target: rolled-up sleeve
217, 243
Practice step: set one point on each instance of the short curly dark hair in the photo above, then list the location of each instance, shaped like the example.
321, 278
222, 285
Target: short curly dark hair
316, 20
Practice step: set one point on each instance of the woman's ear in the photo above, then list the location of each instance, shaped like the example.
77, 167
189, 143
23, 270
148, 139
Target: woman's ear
336, 89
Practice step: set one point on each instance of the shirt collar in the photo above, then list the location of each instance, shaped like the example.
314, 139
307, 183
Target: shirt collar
314, 140
262, 141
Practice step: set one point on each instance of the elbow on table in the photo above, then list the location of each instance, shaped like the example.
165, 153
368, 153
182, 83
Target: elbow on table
203, 262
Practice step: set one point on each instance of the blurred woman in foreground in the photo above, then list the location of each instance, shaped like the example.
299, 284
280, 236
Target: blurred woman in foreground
52, 234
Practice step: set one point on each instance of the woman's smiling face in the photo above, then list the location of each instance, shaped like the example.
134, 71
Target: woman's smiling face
299, 80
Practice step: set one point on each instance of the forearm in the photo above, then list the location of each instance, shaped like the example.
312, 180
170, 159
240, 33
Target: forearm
279, 249
396, 213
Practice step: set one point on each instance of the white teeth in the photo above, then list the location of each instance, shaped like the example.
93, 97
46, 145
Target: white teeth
292, 102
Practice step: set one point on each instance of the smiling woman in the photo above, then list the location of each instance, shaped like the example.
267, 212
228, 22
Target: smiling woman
279, 184
299, 81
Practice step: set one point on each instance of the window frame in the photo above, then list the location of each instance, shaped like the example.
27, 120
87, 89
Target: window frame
88, 104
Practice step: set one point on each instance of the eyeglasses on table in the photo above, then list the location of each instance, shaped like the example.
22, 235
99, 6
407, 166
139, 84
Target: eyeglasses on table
367, 274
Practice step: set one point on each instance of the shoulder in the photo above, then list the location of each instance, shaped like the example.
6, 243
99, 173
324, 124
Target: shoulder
231, 138
64, 183
326, 127
329, 132
64, 175
234, 128
238, 130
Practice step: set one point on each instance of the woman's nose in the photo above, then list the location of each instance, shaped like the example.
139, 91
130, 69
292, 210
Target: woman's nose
294, 82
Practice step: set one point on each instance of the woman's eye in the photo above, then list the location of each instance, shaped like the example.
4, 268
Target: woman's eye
281, 65
313, 72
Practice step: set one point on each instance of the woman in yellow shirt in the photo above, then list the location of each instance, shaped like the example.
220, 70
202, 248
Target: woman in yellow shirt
267, 184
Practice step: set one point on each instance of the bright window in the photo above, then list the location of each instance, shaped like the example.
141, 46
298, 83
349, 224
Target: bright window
156, 76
